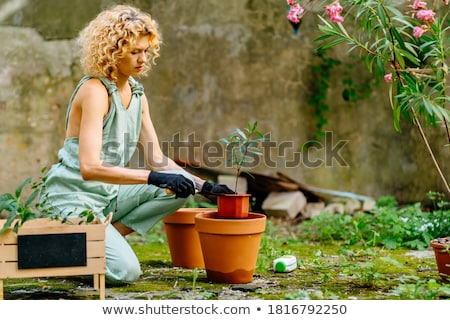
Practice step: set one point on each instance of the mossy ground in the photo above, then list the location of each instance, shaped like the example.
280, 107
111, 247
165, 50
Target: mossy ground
329, 270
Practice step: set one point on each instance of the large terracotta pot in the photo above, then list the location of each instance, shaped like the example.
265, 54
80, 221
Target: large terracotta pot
441, 247
184, 243
233, 206
230, 246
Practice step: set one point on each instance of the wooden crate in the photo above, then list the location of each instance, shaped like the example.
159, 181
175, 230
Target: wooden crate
95, 251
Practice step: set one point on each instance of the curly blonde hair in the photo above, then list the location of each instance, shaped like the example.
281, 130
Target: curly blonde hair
108, 37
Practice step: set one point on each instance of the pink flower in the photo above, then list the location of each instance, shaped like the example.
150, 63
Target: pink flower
419, 5
295, 13
446, 2
291, 2
418, 31
426, 15
334, 11
388, 77
337, 18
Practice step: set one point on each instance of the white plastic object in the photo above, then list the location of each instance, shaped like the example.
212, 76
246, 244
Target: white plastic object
286, 263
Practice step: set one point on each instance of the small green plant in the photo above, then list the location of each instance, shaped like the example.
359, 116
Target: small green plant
243, 148
21, 208
387, 201
422, 290
389, 226
194, 278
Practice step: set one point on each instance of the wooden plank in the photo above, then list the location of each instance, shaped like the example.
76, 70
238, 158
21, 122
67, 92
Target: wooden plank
95, 249
93, 232
96, 280
8, 237
44, 221
52, 222
102, 285
53, 226
96, 233
8, 252
94, 266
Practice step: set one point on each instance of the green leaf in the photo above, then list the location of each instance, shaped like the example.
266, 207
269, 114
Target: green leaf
21, 186
332, 43
32, 197
390, 243
241, 133
8, 223
397, 37
6, 202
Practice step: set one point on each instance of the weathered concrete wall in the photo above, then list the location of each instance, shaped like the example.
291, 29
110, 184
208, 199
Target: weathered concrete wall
223, 64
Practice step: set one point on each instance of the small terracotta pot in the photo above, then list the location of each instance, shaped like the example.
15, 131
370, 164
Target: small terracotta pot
233, 206
184, 243
441, 247
230, 246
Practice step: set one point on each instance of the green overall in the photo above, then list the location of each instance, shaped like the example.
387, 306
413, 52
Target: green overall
138, 207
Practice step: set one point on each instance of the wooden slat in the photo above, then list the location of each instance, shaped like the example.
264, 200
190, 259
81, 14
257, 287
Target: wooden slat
96, 281
93, 234
94, 231
8, 252
101, 286
46, 222
94, 249
94, 266
8, 237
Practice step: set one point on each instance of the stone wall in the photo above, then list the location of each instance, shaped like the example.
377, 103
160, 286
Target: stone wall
223, 64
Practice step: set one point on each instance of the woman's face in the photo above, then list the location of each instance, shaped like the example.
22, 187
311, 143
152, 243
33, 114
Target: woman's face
135, 59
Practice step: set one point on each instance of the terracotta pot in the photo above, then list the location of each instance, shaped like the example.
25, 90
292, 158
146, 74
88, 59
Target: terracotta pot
441, 247
233, 206
230, 246
184, 243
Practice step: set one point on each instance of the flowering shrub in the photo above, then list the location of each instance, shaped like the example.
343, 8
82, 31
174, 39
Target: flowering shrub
407, 44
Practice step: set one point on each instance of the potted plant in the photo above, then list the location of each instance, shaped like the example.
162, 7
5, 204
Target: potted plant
242, 147
36, 242
230, 236
441, 248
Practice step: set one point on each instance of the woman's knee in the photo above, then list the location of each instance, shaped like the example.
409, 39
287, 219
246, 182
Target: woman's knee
122, 265
124, 272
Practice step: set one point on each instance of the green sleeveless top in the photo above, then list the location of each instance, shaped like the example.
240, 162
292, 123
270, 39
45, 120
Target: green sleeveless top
66, 190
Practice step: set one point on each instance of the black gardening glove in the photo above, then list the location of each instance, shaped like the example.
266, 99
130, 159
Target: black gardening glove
215, 189
179, 184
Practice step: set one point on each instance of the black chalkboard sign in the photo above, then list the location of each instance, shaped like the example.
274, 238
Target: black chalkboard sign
51, 250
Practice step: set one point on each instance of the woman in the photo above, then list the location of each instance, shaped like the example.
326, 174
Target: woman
107, 117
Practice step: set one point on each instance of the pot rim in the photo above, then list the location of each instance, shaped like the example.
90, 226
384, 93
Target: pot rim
435, 244
185, 215
209, 222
